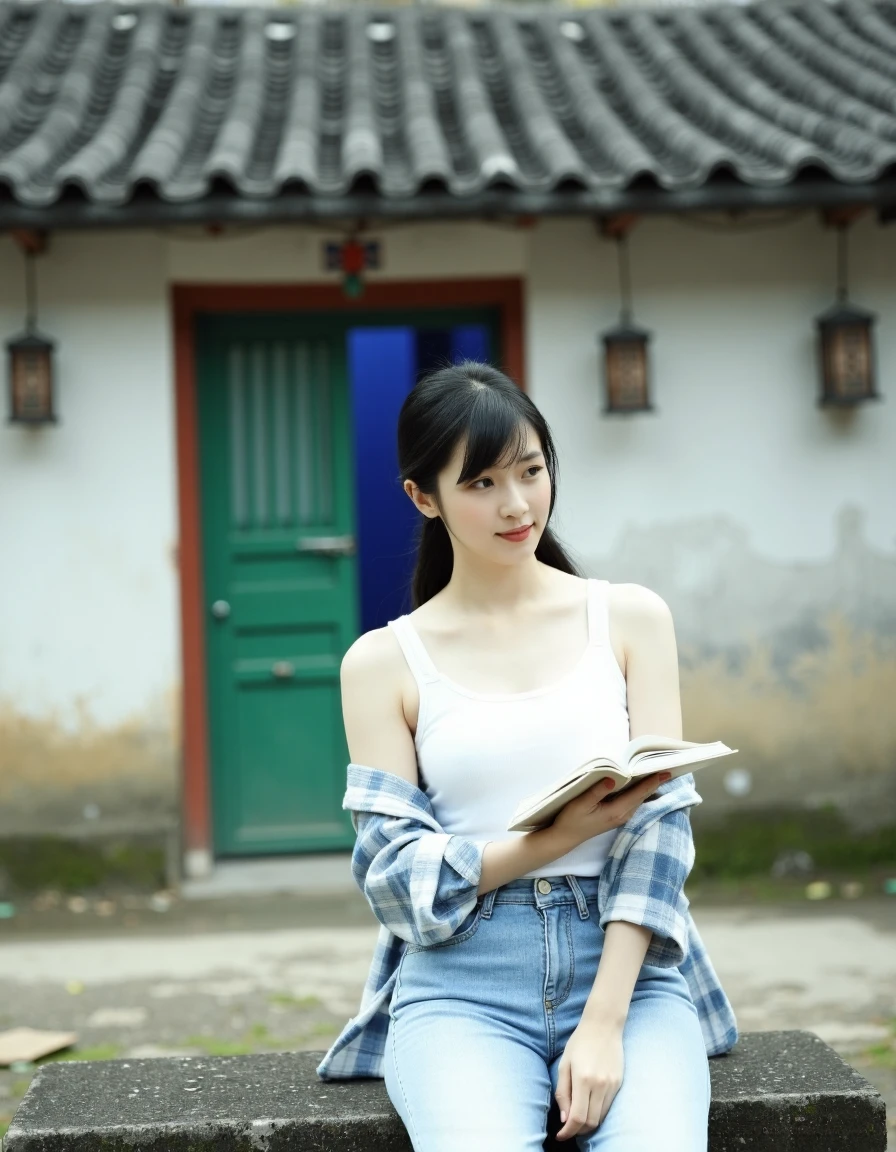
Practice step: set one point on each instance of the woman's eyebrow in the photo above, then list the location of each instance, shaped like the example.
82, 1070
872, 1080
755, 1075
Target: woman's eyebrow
519, 460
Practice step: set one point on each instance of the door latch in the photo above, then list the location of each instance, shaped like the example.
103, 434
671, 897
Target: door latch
327, 545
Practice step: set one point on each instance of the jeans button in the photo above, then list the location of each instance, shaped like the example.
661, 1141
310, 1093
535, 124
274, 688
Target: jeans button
544, 887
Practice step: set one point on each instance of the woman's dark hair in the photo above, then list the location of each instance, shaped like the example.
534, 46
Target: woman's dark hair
477, 401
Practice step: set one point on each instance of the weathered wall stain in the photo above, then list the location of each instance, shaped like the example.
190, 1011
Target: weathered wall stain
794, 663
820, 730
51, 770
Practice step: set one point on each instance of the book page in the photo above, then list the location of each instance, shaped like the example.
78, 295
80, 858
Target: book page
537, 811
531, 814
536, 798
646, 762
651, 743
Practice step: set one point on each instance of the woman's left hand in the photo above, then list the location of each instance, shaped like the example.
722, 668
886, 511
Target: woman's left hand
590, 1075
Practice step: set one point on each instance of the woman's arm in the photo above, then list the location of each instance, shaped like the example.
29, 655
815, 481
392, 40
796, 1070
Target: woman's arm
641, 625
591, 1069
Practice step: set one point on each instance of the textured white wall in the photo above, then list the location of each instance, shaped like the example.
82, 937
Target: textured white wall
88, 518
411, 251
737, 432
87, 508
765, 521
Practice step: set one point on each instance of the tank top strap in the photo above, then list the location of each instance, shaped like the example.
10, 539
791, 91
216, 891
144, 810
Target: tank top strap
598, 613
414, 652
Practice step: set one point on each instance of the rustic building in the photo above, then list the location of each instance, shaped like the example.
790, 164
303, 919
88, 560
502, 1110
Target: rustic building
214, 517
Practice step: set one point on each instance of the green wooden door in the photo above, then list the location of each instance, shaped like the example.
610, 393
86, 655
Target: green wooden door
280, 578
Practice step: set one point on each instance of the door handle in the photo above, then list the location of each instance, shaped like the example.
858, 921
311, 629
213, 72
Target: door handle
327, 545
283, 669
220, 609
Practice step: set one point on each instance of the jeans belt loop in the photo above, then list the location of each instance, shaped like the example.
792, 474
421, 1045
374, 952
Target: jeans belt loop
581, 902
488, 902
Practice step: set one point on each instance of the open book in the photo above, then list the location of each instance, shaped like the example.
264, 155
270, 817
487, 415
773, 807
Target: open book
642, 756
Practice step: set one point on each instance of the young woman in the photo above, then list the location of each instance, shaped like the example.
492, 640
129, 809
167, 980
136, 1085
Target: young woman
519, 979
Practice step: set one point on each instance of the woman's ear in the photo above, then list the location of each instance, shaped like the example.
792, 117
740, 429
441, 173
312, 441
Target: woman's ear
422, 502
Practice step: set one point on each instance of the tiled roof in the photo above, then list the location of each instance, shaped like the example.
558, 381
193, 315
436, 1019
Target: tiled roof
107, 104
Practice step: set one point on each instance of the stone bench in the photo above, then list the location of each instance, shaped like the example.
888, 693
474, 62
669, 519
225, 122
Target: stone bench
775, 1092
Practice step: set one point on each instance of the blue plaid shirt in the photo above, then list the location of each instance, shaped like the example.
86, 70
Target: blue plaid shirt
422, 882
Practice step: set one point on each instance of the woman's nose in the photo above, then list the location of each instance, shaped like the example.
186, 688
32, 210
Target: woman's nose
515, 504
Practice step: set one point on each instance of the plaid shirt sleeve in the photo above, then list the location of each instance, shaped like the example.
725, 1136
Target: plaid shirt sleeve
420, 882
642, 882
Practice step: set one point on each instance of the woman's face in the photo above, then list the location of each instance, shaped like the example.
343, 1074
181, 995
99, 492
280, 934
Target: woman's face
497, 501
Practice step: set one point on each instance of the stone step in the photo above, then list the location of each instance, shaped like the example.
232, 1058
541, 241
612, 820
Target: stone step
774, 1092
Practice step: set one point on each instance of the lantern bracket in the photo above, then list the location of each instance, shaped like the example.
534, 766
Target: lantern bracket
29, 241
619, 224
842, 217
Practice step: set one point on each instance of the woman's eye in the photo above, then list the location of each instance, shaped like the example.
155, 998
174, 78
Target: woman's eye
484, 479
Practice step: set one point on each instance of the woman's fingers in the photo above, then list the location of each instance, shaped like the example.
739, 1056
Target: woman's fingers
576, 1113
652, 781
634, 794
649, 786
586, 1112
564, 1092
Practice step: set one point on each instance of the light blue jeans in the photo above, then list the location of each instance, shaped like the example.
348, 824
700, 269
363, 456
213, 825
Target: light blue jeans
478, 1025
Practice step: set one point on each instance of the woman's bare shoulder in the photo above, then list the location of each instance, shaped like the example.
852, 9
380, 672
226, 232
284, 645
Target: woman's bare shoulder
373, 655
640, 621
376, 727
636, 603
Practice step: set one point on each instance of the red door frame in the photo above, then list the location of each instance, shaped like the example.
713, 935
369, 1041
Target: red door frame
187, 300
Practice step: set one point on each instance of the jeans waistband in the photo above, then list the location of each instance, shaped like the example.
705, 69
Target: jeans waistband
544, 892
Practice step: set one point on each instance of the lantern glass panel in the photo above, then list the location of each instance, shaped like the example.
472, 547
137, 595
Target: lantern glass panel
32, 386
847, 361
626, 375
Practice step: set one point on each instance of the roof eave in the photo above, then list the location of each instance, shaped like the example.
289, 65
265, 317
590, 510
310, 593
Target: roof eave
302, 208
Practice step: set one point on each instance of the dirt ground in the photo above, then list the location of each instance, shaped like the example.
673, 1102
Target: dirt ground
152, 977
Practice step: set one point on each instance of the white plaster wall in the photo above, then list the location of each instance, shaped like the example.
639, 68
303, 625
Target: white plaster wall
90, 663
767, 523
750, 509
737, 433
286, 254
87, 508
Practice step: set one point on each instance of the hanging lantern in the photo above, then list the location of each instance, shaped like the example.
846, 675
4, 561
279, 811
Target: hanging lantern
626, 366
847, 356
626, 369
31, 384
846, 345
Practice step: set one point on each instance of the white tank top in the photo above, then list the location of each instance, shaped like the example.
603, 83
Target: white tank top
480, 753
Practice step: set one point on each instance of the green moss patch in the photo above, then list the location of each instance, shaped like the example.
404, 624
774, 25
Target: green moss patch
748, 843
33, 863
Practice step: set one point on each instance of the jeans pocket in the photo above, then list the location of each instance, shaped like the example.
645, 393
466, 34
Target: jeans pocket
467, 928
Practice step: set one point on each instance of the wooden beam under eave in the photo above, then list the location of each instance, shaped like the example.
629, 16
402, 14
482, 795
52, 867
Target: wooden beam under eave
842, 217
612, 227
29, 241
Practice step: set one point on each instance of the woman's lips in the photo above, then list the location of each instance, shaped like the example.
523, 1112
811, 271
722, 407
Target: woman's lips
516, 536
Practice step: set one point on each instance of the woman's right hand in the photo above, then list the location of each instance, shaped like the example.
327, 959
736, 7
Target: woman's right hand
594, 811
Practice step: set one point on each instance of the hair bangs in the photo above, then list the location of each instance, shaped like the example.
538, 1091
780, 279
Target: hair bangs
495, 433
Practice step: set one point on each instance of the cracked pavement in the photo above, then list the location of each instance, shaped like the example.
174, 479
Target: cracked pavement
281, 972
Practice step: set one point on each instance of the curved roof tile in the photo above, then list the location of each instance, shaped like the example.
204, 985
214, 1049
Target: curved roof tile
108, 99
